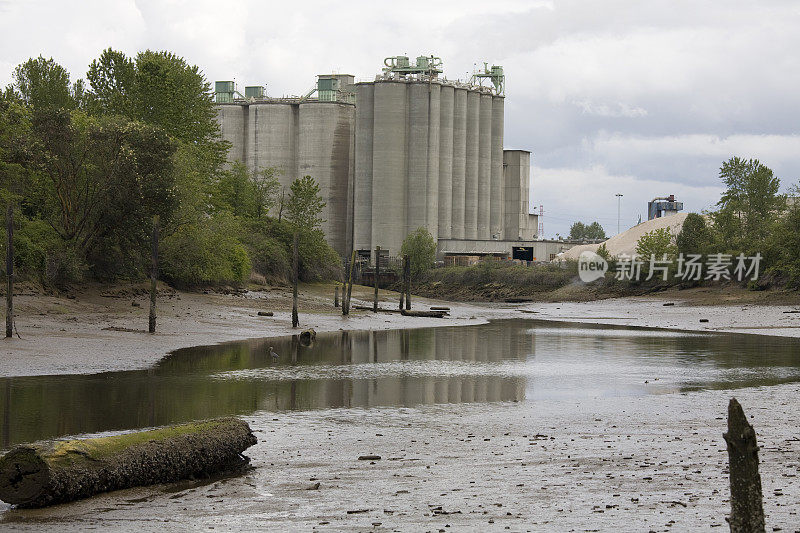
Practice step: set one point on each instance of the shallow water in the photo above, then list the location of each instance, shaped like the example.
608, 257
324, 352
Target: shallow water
511, 360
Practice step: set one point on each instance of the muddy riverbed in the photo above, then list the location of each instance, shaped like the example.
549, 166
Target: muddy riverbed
514, 425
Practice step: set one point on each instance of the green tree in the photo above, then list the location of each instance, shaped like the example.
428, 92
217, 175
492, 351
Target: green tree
101, 178
695, 236
111, 78
246, 194
577, 231
581, 232
420, 247
658, 242
749, 205
305, 205
44, 84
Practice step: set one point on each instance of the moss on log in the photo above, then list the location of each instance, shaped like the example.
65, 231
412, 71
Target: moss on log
49, 472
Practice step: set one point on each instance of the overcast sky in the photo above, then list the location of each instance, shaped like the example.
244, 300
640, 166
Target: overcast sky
643, 98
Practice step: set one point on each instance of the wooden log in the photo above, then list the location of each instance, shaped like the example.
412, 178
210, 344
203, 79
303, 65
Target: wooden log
380, 309
10, 272
439, 308
429, 314
747, 511
49, 472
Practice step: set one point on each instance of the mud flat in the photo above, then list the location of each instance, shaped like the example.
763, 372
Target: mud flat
690, 314
95, 332
649, 463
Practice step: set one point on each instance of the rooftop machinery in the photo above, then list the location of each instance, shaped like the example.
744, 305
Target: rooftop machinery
663, 206
400, 65
494, 75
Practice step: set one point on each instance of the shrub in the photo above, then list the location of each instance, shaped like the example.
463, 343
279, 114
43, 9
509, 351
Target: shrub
205, 253
421, 250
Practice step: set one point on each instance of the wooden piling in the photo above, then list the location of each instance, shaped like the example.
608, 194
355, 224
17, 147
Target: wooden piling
407, 275
10, 272
349, 288
153, 277
747, 511
336, 296
377, 278
295, 318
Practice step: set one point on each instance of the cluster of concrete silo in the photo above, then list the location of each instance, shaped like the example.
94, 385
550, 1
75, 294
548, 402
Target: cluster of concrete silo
405, 150
428, 153
298, 137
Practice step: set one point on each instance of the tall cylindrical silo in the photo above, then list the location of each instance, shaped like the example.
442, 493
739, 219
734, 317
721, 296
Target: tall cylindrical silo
432, 189
324, 154
389, 166
485, 166
459, 161
362, 194
471, 174
230, 118
272, 130
418, 126
446, 162
496, 217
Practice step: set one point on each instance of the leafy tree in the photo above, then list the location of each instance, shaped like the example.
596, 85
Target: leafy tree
658, 242
44, 84
101, 178
304, 205
749, 205
581, 232
246, 194
112, 77
420, 247
695, 236
577, 231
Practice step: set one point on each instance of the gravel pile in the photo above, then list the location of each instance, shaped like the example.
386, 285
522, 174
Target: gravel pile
625, 242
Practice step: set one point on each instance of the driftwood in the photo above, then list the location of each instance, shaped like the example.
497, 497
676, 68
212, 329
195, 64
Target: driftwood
747, 511
49, 472
429, 314
380, 309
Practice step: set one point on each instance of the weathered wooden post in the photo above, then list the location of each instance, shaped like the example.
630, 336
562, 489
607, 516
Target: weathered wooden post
295, 318
10, 272
747, 511
377, 278
407, 274
153, 277
349, 287
336, 296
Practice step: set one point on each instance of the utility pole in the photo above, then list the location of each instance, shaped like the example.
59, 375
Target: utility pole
619, 201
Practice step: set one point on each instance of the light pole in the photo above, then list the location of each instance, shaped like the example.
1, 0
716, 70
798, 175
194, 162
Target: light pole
619, 200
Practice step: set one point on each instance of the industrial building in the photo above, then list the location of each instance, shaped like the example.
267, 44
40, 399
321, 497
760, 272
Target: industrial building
406, 149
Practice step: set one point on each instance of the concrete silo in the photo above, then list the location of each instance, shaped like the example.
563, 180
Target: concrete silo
459, 161
484, 166
445, 206
362, 195
432, 181
419, 116
324, 153
496, 218
472, 165
389, 166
